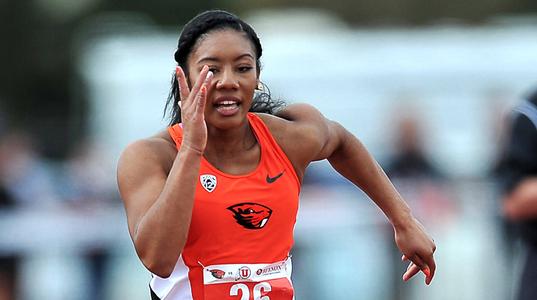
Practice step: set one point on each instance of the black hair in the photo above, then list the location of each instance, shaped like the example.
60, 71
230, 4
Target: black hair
197, 27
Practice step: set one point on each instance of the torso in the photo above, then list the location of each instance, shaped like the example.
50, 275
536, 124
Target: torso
242, 225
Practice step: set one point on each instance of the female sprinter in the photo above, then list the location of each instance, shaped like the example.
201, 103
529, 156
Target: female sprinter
212, 200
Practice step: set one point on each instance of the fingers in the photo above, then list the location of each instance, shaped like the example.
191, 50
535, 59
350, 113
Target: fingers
417, 260
429, 261
201, 98
427, 266
183, 86
425, 259
410, 271
195, 96
208, 79
200, 81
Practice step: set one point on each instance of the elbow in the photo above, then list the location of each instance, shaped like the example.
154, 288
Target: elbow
161, 272
339, 137
159, 255
158, 261
158, 265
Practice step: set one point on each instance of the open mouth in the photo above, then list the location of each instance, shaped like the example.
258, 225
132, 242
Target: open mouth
228, 106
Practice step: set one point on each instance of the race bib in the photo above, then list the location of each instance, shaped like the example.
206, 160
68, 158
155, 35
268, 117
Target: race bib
249, 281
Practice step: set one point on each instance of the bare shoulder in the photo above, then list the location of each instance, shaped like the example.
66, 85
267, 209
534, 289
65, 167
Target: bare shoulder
294, 117
301, 112
142, 170
157, 151
300, 130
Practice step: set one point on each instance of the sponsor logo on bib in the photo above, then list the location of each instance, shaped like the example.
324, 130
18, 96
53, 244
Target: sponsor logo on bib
218, 274
244, 272
272, 269
233, 273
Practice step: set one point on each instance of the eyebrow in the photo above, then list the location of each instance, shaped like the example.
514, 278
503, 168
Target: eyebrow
210, 58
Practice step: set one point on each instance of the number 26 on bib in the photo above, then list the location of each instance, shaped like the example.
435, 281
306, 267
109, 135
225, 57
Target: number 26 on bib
276, 289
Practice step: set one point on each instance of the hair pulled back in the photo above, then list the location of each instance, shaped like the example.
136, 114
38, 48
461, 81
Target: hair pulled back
196, 28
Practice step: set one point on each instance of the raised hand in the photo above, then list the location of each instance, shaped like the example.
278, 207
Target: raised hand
418, 248
192, 105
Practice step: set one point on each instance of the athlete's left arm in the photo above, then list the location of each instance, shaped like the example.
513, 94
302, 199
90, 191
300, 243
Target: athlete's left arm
327, 139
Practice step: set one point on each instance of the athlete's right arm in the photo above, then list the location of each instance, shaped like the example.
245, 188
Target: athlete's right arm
158, 198
158, 204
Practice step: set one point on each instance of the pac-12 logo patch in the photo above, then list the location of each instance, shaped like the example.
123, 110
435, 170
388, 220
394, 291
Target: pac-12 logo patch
208, 182
251, 215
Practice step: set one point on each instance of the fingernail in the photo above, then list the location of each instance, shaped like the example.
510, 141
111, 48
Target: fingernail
427, 272
209, 75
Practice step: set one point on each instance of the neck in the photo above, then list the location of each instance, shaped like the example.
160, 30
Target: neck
229, 142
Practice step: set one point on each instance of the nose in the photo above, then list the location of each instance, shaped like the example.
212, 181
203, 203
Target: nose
227, 80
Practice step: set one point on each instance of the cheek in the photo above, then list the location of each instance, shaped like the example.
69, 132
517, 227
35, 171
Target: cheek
190, 79
192, 74
251, 82
249, 90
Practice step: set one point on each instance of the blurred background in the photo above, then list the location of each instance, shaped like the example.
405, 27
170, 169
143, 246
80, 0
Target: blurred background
426, 85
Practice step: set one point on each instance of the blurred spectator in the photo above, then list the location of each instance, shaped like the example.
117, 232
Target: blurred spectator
419, 181
8, 263
23, 173
416, 177
25, 181
14, 149
519, 174
409, 159
89, 183
90, 176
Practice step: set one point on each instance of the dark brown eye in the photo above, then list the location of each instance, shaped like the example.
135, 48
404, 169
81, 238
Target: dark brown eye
245, 69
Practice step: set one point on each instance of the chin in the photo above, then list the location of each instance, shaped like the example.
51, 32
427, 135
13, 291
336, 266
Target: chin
227, 122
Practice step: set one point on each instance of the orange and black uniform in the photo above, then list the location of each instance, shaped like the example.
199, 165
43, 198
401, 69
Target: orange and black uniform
241, 232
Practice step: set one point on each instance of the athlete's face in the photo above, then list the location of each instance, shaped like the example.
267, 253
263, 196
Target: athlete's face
230, 55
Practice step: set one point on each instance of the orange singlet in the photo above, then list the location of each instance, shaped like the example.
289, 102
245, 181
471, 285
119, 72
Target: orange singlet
241, 231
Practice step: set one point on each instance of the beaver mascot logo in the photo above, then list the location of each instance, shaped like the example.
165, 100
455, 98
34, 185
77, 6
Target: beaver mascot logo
251, 215
218, 274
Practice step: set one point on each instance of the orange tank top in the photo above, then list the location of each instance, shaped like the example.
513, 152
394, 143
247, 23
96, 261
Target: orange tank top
241, 231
